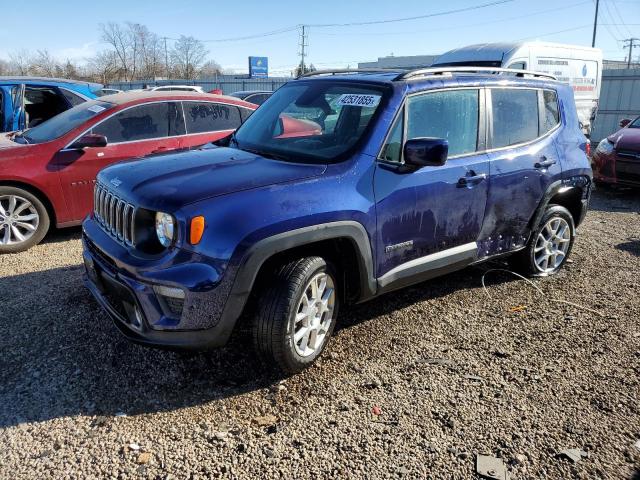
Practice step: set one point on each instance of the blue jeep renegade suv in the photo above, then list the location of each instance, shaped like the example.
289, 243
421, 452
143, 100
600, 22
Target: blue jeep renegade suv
342, 186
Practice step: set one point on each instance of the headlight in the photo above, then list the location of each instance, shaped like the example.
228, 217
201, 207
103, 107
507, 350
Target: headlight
165, 228
605, 146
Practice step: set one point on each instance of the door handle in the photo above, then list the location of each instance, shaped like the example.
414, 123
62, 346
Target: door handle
471, 180
544, 163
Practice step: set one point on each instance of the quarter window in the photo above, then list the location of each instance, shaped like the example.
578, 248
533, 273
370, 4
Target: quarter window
204, 117
143, 122
515, 116
392, 150
550, 115
451, 115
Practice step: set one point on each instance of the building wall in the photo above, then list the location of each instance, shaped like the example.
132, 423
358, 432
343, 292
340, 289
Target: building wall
619, 98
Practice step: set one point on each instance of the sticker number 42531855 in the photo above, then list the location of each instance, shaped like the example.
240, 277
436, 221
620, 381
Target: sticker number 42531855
358, 100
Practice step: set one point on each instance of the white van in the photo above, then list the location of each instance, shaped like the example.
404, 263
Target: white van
579, 66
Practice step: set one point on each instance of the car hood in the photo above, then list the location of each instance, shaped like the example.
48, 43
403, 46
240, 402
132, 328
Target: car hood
626, 139
170, 181
6, 142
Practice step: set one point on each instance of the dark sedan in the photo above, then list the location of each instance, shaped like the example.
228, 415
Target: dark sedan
257, 97
617, 158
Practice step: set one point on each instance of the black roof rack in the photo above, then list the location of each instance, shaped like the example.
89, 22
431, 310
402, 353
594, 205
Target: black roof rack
424, 72
350, 70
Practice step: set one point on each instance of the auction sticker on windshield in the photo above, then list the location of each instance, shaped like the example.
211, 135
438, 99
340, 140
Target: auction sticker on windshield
358, 100
96, 108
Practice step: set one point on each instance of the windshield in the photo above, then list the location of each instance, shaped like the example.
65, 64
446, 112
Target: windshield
311, 121
65, 121
635, 123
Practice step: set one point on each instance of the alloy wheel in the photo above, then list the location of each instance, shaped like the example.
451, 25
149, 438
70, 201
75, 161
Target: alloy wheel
314, 315
552, 244
19, 219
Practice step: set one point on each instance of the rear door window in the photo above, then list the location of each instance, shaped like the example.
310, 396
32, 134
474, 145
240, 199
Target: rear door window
43, 103
142, 122
515, 116
449, 114
202, 117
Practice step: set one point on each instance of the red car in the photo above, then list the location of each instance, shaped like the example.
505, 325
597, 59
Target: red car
47, 172
617, 158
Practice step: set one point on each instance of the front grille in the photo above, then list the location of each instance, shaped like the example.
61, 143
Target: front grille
114, 215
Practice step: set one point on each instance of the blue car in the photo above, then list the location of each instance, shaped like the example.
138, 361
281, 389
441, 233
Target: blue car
28, 101
341, 187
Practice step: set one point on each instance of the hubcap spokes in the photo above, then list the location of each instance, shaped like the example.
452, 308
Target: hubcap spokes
314, 315
552, 244
19, 219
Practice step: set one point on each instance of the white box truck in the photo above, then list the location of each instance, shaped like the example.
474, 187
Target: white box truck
579, 66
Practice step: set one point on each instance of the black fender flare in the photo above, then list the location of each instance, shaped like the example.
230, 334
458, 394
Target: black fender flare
580, 182
264, 249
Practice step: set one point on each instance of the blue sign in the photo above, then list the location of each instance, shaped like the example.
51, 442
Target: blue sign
258, 67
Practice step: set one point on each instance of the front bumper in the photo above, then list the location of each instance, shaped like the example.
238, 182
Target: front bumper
126, 293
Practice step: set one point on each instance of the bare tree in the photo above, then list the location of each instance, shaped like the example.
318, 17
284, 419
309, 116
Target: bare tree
188, 54
124, 45
209, 69
104, 67
20, 62
44, 64
5, 68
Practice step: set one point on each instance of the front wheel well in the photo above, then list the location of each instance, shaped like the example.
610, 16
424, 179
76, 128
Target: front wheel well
34, 191
340, 252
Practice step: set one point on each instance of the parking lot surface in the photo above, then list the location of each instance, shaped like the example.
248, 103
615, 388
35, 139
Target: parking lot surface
414, 384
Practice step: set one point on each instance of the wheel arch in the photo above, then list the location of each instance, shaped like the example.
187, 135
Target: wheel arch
572, 193
342, 241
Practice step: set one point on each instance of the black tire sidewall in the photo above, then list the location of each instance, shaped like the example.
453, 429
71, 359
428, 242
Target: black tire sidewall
550, 212
43, 224
292, 358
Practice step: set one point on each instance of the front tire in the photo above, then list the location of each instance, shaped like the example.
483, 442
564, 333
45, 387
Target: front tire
296, 314
549, 245
24, 220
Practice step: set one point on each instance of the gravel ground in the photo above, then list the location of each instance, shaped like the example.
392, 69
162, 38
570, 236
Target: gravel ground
415, 384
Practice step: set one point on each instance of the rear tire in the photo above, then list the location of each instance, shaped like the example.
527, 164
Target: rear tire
24, 220
296, 314
549, 246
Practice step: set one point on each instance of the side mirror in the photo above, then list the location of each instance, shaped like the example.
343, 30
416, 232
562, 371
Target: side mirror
90, 140
624, 122
421, 152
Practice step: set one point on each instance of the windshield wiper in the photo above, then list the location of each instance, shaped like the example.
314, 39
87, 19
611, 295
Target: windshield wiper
272, 156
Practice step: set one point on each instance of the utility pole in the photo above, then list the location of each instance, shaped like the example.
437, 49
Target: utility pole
630, 43
166, 58
303, 45
595, 25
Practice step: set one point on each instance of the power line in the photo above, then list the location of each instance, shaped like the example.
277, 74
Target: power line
457, 27
615, 8
417, 17
630, 43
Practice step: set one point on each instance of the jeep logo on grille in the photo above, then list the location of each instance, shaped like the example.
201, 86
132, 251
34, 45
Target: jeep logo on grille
116, 182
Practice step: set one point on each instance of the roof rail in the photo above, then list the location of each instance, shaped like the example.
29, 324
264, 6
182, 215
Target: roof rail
423, 72
350, 70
